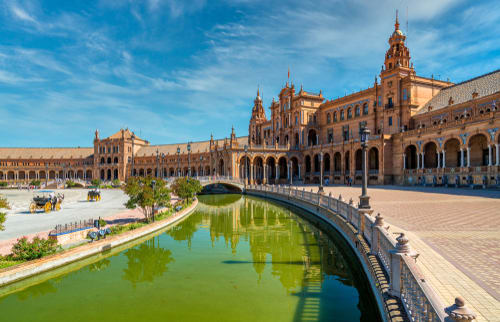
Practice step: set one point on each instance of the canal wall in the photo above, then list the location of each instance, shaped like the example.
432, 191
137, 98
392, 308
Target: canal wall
389, 263
19, 272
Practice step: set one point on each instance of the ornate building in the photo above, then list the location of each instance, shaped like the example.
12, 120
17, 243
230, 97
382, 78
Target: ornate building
423, 131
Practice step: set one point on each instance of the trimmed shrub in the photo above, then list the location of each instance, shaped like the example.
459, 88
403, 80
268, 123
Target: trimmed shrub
23, 249
96, 182
3, 184
35, 183
72, 184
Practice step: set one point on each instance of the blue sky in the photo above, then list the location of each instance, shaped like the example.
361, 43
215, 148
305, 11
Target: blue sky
178, 70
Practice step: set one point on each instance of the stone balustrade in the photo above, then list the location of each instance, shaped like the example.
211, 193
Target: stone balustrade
406, 282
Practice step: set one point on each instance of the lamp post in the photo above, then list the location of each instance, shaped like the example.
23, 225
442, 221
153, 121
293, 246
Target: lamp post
132, 168
178, 161
153, 185
189, 159
364, 199
162, 165
157, 164
246, 165
320, 189
201, 165
46, 175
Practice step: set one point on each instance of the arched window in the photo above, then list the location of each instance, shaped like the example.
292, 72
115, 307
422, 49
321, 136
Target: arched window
342, 115
349, 113
328, 118
365, 109
357, 111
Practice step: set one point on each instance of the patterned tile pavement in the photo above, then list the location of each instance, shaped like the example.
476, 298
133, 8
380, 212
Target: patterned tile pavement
456, 232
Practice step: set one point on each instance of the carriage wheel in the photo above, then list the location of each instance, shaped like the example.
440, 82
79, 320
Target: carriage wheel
48, 206
33, 207
58, 206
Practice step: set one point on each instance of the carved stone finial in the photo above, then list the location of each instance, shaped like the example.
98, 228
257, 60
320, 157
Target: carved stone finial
402, 245
459, 312
340, 198
351, 202
379, 220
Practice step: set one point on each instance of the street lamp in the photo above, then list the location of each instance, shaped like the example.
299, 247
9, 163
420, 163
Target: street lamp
201, 166
246, 165
320, 189
46, 174
132, 168
162, 165
153, 185
178, 161
189, 159
157, 164
364, 199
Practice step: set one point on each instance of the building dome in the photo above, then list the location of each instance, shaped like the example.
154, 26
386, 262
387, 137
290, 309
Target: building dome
397, 32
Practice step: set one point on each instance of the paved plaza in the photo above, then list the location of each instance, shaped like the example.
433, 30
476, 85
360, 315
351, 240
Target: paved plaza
456, 232
75, 207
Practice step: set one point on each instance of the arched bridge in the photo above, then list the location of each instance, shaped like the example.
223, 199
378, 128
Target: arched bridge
214, 185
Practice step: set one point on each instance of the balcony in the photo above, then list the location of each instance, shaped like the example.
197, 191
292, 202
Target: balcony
389, 105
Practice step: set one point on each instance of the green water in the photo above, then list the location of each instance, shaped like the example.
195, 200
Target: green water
234, 259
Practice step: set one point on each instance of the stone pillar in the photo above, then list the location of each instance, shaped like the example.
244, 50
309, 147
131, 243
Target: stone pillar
468, 157
301, 177
277, 172
402, 249
497, 161
404, 161
288, 172
489, 156
439, 160
418, 160
423, 160
462, 164
251, 174
376, 231
444, 158
264, 174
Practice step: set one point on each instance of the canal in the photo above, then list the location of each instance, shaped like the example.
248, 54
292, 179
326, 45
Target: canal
236, 258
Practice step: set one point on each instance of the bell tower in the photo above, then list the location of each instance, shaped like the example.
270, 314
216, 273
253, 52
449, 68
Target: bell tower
398, 55
258, 117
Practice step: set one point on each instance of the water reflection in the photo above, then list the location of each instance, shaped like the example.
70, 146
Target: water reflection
146, 262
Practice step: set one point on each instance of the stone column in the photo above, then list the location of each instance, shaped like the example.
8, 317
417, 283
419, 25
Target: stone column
418, 160
439, 160
423, 160
404, 161
468, 157
264, 174
497, 162
444, 158
277, 172
251, 174
489, 156
462, 164
301, 177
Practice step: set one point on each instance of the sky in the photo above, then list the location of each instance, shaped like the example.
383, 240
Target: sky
179, 70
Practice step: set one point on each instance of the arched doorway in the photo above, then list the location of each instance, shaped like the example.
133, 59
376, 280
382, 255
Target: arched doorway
295, 168
312, 138
411, 157
283, 167
115, 174
337, 162
326, 163
109, 174
296, 143
103, 177
271, 169
221, 169
452, 153
244, 167
430, 155
52, 174
358, 159
478, 145
141, 172
258, 164
347, 164
373, 160
308, 164
316, 164
89, 175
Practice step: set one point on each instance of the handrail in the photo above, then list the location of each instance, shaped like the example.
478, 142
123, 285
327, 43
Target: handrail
418, 298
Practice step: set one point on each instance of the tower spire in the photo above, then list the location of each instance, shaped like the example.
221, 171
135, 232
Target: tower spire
396, 25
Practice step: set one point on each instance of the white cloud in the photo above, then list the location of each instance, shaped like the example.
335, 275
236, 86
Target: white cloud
22, 14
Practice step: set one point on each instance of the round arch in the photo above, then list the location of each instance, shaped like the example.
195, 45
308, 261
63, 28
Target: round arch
411, 156
430, 155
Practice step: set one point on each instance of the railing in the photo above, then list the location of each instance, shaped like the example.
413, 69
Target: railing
419, 300
72, 227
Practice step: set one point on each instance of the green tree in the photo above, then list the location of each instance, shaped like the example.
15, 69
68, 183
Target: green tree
116, 183
147, 194
96, 182
186, 188
3, 216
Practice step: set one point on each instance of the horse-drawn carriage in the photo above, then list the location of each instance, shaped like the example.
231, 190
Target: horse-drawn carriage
47, 201
94, 194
